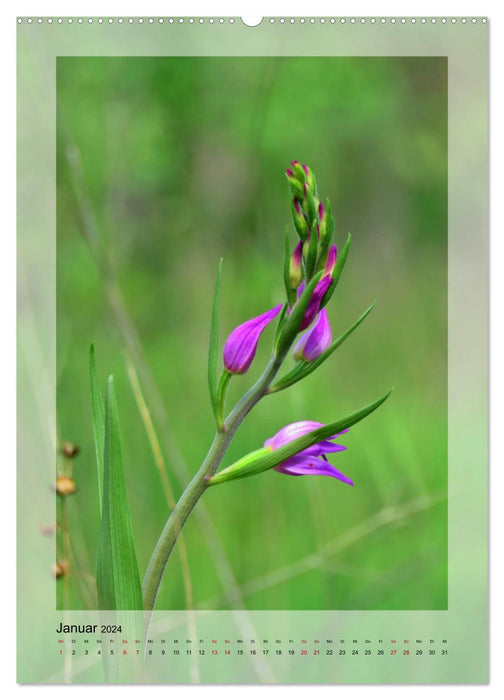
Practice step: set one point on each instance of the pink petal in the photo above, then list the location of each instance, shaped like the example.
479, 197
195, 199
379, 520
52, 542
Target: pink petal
241, 345
310, 466
313, 343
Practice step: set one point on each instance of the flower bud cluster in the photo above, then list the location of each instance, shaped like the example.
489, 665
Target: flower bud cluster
313, 222
313, 256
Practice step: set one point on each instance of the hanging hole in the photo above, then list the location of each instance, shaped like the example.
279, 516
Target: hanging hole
251, 21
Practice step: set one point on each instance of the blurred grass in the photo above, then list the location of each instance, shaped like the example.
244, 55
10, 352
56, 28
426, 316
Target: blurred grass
182, 162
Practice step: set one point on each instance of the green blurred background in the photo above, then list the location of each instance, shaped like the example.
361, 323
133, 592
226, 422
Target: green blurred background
166, 164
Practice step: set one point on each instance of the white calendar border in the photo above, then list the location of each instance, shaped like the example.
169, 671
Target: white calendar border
468, 360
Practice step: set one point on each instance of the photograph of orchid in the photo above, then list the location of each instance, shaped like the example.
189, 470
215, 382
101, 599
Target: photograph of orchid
311, 274
205, 281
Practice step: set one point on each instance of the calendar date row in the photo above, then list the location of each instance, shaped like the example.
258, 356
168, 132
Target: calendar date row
263, 652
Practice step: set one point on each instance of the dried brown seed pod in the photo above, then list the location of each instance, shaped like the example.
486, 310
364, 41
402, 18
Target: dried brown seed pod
65, 486
70, 450
59, 569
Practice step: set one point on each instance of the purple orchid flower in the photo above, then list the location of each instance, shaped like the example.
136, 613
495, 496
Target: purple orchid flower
313, 343
316, 298
241, 345
313, 459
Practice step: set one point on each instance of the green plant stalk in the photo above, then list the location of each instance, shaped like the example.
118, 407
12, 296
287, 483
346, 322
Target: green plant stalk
223, 437
197, 486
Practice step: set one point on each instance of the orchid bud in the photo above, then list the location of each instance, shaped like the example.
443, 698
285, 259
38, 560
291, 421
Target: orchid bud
310, 179
331, 260
315, 300
315, 341
298, 171
310, 204
299, 219
326, 220
295, 185
295, 315
296, 267
241, 346
326, 227
322, 217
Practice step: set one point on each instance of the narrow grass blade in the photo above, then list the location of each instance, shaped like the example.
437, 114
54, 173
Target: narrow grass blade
98, 412
263, 459
303, 369
117, 576
213, 348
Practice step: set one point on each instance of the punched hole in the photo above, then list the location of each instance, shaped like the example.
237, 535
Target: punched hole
251, 21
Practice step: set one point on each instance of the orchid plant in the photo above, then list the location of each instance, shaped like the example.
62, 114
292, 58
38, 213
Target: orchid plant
311, 274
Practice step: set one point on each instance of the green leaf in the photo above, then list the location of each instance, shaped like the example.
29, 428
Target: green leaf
291, 325
117, 576
213, 347
263, 459
98, 412
340, 264
303, 369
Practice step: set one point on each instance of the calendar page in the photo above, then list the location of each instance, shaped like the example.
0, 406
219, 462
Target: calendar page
251, 250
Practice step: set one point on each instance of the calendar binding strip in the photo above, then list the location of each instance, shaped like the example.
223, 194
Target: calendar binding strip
271, 20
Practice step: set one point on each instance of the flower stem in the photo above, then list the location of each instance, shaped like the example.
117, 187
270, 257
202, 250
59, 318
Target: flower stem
197, 486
